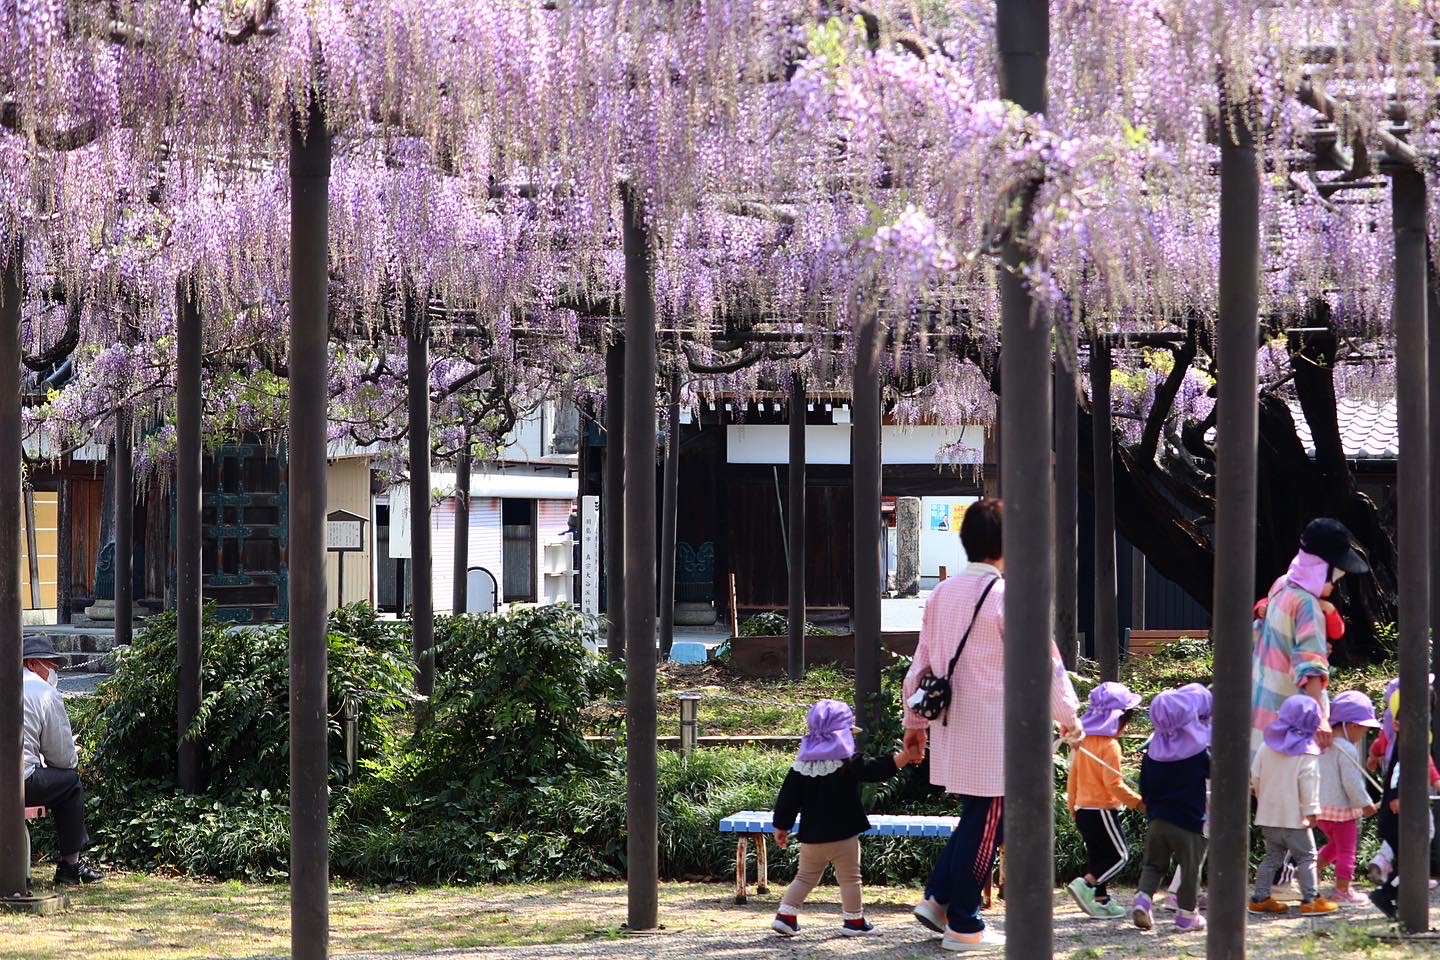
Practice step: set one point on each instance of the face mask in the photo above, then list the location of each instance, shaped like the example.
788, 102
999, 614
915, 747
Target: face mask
53, 678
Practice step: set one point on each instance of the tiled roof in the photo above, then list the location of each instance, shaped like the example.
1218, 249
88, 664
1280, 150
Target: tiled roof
1368, 430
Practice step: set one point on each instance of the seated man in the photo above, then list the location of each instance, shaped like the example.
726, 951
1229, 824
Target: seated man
51, 780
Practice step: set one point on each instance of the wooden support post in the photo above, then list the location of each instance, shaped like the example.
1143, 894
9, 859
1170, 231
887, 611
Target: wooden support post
740, 842
309, 593
1236, 445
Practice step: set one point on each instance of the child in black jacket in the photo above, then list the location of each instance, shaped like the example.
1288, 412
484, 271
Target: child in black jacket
823, 788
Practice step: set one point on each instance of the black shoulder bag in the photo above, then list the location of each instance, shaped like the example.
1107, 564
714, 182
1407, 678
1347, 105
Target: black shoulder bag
932, 699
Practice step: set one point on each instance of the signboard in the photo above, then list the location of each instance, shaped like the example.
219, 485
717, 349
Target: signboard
945, 516
344, 532
399, 499
590, 555
480, 590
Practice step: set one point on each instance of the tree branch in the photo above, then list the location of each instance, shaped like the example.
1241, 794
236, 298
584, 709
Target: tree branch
1164, 402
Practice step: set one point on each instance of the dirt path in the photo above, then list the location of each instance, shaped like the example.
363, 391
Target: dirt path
131, 917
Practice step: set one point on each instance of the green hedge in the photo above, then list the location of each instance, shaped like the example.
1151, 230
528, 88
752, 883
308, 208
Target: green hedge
496, 784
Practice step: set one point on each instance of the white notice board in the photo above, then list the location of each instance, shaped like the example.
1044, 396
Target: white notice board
590, 555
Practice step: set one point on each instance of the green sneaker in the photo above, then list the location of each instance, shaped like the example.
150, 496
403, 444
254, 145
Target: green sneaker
1084, 897
1111, 909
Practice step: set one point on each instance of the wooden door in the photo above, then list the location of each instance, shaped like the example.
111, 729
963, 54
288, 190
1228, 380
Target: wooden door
243, 519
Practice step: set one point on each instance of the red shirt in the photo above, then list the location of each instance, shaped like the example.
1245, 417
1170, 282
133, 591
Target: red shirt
1382, 743
1334, 625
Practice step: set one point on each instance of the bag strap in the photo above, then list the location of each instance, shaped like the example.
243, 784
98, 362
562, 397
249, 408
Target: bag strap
950, 672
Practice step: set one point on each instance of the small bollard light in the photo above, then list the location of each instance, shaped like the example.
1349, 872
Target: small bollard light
689, 714
350, 714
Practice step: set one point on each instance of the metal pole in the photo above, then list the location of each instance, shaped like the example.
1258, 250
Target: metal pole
1137, 589
1407, 200
422, 589
1023, 32
865, 469
65, 547
462, 531
309, 331
189, 610
14, 841
689, 720
668, 505
124, 530
1107, 616
613, 487
1235, 496
1067, 513
642, 847
796, 475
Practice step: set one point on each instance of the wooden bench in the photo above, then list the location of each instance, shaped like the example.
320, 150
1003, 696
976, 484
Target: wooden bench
1144, 643
31, 813
755, 824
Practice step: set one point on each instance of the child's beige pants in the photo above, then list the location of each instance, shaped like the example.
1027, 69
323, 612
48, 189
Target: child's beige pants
814, 857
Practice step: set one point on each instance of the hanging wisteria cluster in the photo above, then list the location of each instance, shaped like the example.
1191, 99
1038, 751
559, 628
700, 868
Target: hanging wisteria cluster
802, 164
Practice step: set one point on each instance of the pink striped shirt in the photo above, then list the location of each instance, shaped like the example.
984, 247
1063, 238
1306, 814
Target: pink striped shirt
967, 755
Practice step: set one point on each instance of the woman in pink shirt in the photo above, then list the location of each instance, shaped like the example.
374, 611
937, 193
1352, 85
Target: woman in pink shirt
967, 746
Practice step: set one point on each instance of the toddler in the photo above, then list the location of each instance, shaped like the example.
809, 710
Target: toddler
1344, 798
1384, 896
1204, 703
1095, 794
1378, 760
1172, 786
1285, 778
823, 790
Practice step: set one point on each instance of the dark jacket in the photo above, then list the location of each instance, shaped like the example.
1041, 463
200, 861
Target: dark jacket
829, 807
1174, 791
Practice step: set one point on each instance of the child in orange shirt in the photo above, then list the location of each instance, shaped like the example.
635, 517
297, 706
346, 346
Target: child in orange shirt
1096, 792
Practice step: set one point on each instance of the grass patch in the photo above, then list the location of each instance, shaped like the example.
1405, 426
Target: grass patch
734, 706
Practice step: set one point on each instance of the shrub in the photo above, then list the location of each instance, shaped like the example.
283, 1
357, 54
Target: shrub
242, 725
778, 625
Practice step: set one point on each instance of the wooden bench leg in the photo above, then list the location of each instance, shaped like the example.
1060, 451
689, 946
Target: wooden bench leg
740, 868
762, 866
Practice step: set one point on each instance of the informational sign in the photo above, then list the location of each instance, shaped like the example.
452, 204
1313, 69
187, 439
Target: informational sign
344, 532
399, 500
480, 590
945, 516
590, 555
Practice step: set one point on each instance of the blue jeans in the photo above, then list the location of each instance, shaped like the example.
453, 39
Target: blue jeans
959, 875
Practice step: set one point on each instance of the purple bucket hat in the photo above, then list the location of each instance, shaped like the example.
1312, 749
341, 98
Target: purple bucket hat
1179, 735
1203, 699
1292, 732
830, 736
1352, 706
1108, 702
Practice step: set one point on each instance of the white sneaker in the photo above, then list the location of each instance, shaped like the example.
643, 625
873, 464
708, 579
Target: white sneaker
931, 914
987, 939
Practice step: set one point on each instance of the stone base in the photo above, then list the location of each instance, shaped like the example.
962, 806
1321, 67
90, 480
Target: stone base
694, 614
101, 610
43, 904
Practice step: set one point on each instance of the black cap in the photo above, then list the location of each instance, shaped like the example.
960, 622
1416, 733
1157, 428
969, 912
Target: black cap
1330, 541
38, 647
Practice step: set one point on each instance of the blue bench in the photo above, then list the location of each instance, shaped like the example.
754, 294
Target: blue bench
748, 824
